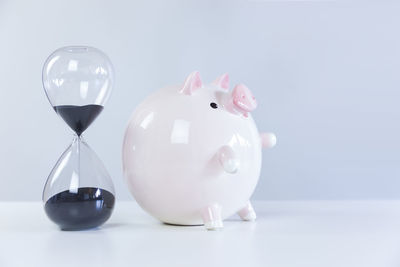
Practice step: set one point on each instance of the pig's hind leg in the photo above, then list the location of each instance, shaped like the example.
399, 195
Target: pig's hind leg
247, 213
212, 217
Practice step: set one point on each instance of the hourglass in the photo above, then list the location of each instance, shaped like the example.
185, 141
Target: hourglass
79, 192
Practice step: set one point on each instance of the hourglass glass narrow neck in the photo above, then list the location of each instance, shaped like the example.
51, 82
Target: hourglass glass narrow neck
77, 138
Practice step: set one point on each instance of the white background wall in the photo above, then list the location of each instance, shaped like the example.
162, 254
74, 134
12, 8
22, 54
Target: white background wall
325, 73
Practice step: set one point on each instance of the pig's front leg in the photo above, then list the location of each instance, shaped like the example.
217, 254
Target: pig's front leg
268, 140
212, 217
228, 159
247, 213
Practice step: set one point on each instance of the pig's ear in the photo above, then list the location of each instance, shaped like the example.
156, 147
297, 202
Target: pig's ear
222, 81
192, 83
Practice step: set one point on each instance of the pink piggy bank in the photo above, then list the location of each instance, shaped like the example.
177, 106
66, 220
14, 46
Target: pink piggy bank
192, 153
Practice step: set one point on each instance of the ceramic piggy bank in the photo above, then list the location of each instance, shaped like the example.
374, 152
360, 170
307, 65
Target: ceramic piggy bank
192, 153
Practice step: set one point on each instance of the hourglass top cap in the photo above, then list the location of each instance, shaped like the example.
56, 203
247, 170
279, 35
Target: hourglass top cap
78, 75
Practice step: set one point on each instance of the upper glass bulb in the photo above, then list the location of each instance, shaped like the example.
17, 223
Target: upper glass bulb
78, 81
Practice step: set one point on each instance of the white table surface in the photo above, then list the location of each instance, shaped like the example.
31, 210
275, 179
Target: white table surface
286, 233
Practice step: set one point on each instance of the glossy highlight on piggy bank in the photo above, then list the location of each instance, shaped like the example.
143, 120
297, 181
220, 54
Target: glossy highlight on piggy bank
192, 152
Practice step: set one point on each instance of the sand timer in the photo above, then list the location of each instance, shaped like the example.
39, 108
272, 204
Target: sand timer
79, 193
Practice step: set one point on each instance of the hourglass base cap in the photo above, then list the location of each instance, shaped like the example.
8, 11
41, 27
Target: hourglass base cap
88, 208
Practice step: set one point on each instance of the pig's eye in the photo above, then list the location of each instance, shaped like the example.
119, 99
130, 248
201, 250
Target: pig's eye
213, 105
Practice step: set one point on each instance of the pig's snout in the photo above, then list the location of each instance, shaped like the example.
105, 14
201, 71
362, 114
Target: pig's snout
243, 99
